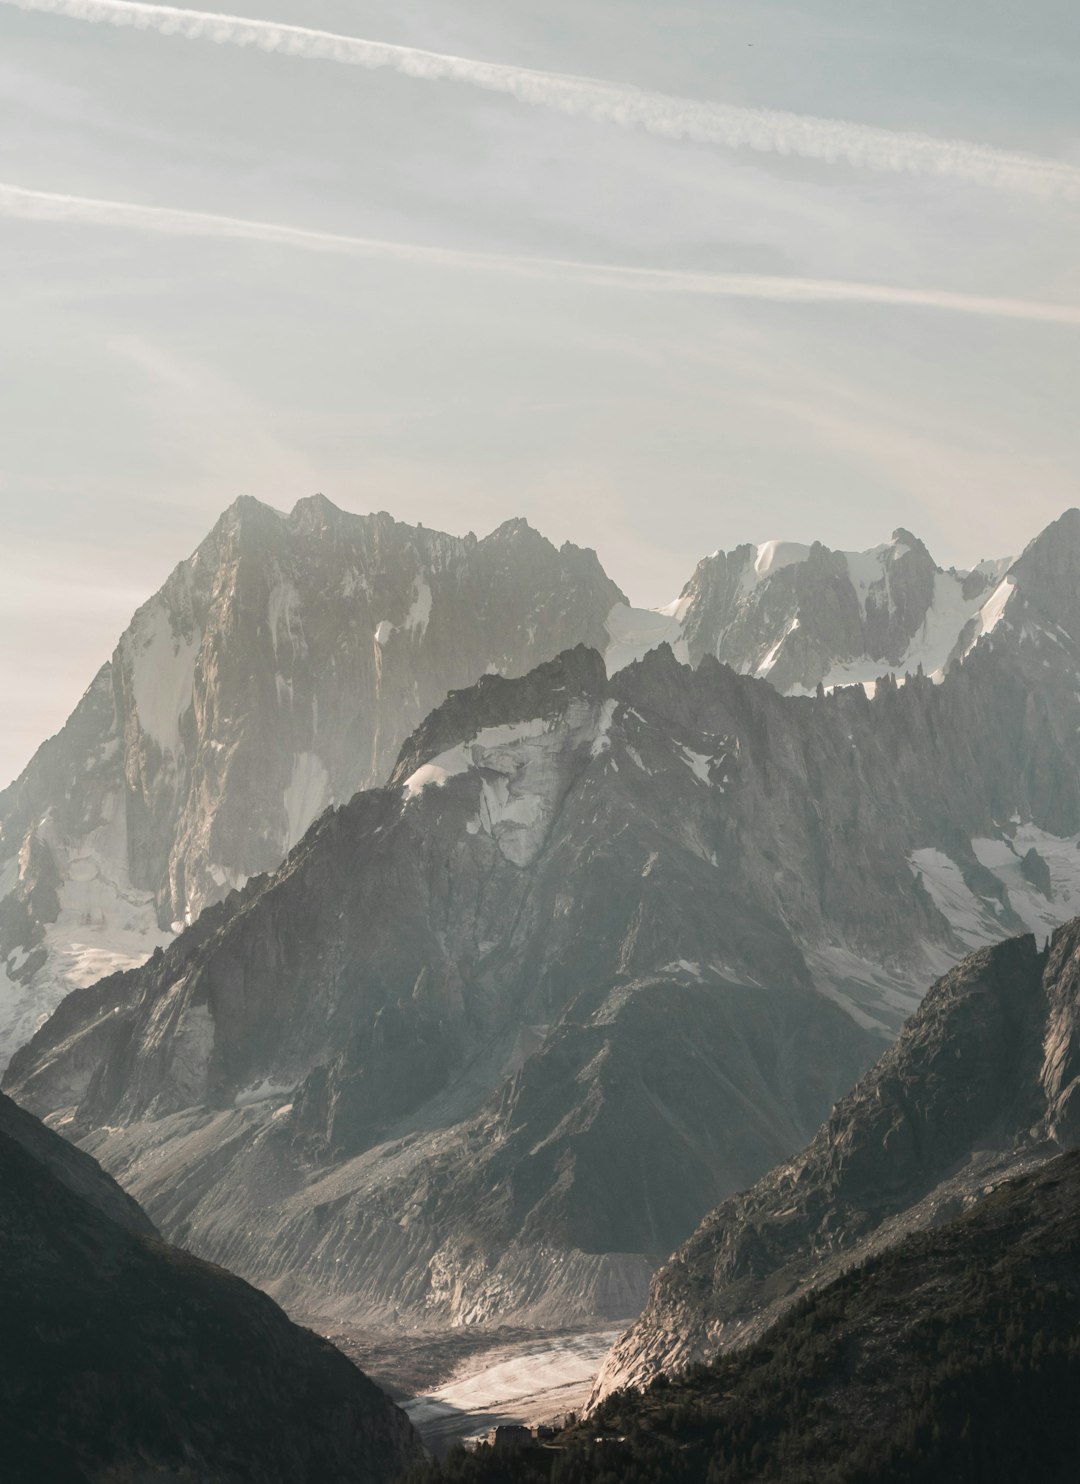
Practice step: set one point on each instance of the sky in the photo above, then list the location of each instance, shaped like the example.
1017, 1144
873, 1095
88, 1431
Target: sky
660, 277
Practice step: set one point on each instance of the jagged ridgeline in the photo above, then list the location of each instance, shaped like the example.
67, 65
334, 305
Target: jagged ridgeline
277, 671
124, 1358
282, 666
604, 950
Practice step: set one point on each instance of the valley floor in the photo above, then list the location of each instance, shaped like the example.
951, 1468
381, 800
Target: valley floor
458, 1383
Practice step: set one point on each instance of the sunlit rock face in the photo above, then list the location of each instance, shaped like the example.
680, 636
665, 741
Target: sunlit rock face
604, 950
983, 1085
802, 616
277, 671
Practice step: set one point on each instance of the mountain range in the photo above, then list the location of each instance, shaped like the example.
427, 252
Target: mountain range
605, 948
277, 671
282, 666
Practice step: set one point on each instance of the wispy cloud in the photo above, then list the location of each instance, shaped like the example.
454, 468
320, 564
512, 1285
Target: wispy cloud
769, 131
20, 203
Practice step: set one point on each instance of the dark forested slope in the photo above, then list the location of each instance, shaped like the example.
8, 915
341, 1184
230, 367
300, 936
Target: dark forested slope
953, 1357
124, 1359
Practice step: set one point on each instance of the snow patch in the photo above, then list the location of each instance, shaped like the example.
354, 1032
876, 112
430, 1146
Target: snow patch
520, 769
971, 918
431, 773
770, 659
772, 555
993, 610
602, 739
935, 643
306, 796
420, 611
105, 925
162, 673
1040, 915
697, 762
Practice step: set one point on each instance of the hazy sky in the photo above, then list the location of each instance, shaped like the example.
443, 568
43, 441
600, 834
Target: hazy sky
155, 364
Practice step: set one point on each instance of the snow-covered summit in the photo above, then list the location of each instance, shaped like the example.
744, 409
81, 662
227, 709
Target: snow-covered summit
276, 672
802, 615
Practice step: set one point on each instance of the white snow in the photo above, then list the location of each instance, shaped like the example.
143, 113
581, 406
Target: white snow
602, 739
104, 925
431, 773
697, 762
636, 758
867, 570
306, 796
632, 632
935, 642
876, 997
770, 659
420, 611
519, 769
1062, 856
974, 919
162, 673
679, 607
993, 610
772, 555
971, 918
529, 1383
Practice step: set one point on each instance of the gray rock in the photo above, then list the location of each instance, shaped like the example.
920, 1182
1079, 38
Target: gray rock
981, 1086
602, 953
803, 616
277, 672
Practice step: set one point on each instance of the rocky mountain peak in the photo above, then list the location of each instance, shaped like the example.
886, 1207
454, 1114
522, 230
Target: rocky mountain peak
515, 529
495, 700
278, 670
1045, 574
315, 512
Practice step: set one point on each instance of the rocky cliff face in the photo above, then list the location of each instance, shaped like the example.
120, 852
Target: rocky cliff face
281, 667
953, 1355
803, 616
603, 951
277, 671
124, 1358
982, 1085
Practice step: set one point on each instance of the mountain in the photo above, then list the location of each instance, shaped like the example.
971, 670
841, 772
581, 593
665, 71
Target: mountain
278, 671
954, 1355
124, 1358
282, 666
606, 949
803, 616
983, 1082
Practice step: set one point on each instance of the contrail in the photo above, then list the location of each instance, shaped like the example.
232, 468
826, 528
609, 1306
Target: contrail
45, 206
768, 131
